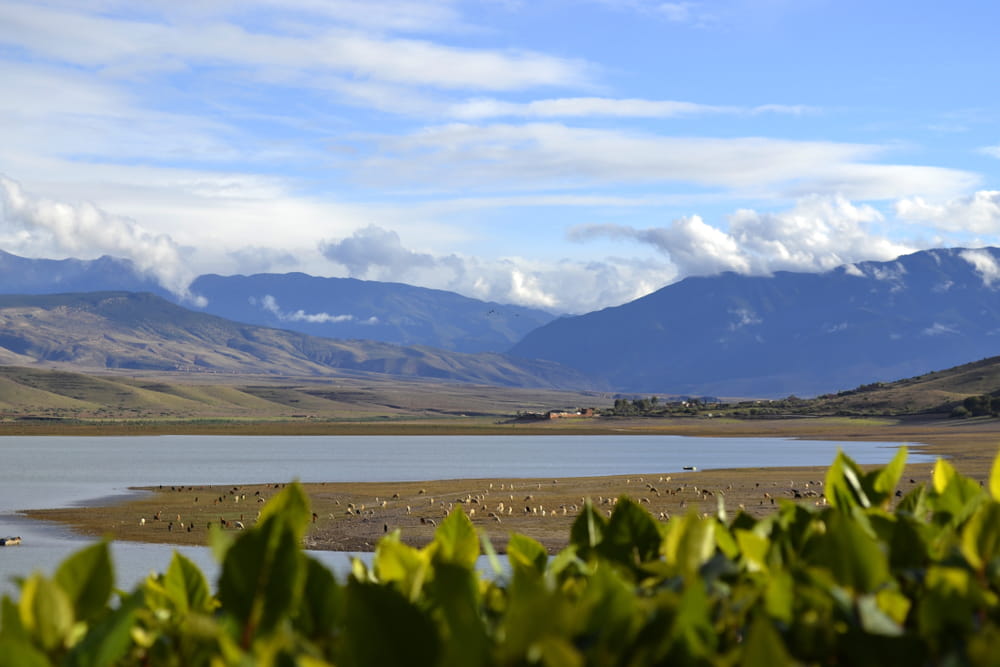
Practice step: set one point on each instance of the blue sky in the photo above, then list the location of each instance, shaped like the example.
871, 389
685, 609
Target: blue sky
568, 155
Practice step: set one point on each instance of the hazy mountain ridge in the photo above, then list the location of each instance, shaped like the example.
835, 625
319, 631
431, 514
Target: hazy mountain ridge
144, 332
790, 333
22, 275
335, 308
351, 308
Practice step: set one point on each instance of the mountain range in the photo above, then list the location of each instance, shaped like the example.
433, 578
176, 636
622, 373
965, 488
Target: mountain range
143, 332
724, 335
789, 333
342, 308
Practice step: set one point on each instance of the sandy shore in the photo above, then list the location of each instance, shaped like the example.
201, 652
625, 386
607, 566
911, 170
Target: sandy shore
353, 516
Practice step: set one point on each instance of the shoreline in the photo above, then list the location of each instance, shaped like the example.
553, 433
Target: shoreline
542, 508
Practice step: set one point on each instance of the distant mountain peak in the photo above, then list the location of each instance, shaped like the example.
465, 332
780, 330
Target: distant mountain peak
789, 333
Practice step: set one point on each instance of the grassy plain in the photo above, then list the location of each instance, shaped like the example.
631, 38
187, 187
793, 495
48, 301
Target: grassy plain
352, 516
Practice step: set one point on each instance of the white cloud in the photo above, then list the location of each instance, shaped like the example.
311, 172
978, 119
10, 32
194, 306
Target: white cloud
984, 263
818, 234
85, 230
478, 109
992, 151
374, 248
131, 46
976, 213
744, 317
270, 304
561, 286
554, 155
938, 329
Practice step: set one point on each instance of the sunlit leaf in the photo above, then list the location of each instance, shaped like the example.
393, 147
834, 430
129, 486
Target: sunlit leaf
981, 536
292, 505
588, 527
874, 620
943, 473
995, 479
456, 540
186, 585
46, 611
526, 555
843, 487
884, 480
401, 564
753, 549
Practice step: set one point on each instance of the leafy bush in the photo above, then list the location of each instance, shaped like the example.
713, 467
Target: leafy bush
848, 582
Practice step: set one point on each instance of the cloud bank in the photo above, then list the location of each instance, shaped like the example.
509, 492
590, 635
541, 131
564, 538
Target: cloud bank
84, 230
818, 234
375, 253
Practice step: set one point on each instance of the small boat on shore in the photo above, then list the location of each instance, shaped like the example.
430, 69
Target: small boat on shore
9, 541
690, 467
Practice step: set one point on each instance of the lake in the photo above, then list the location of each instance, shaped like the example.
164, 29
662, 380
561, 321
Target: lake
60, 471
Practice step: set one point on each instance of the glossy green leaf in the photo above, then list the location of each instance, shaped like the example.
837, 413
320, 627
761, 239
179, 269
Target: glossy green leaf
110, 639
455, 597
885, 480
456, 540
753, 549
46, 611
401, 564
852, 555
526, 556
632, 535
291, 504
843, 486
262, 577
588, 528
186, 585
87, 578
689, 542
955, 497
980, 539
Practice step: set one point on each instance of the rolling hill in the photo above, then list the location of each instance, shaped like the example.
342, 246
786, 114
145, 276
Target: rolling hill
143, 332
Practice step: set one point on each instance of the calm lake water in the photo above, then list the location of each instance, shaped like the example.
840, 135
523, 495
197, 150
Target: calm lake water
43, 472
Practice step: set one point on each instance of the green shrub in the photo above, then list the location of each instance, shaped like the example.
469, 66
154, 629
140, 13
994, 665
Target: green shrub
851, 582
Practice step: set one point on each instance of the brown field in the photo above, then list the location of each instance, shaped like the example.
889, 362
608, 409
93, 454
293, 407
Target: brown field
353, 516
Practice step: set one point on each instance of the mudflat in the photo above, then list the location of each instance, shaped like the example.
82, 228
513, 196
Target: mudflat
353, 516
